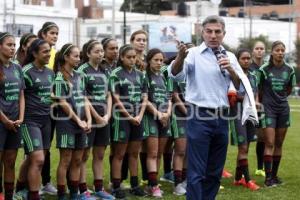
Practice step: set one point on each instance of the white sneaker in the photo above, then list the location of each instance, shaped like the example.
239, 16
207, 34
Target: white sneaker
179, 190
49, 189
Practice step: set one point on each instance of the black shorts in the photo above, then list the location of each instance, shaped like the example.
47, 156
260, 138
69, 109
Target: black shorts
242, 134
68, 138
276, 121
99, 136
36, 134
124, 131
178, 125
153, 127
9, 140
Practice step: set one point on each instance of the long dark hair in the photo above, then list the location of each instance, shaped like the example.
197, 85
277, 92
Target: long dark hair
45, 28
123, 50
59, 60
33, 48
150, 55
3, 36
105, 42
86, 49
275, 44
20, 55
241, 51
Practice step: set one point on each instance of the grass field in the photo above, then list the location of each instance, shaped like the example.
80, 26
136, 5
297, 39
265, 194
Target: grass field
289, 170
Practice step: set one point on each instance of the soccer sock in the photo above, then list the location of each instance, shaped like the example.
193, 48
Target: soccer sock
184, 174
74, 187
167, 162
238, 173
61, 190
268, 166
98, 184
20, 186
82, 187
33, 195
243, 163
116, 183
134, 181
110, 165
152, 179
125, 166
260, 148
275, 165
143, 160
177, 177
9, 190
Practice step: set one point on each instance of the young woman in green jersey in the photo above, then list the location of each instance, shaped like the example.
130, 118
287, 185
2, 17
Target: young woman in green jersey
49, 32
25, 42
242, 135
276, 80
157, 117
36, 129
12, 105
73, 119
101, 103
129, 91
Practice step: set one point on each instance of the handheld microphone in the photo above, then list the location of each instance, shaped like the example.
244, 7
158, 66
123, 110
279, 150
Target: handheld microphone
220, 54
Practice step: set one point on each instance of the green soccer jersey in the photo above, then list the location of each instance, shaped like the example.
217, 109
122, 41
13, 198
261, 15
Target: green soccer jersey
130, 85
274, 82
73, 91
38, 90
10, 89
96, 86
159, 90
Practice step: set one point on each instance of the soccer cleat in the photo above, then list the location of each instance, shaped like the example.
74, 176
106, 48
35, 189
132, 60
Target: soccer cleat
49, 189
168, 177
143, 182
184, 184
137, 191
104, 195
242, 182
85, 196
155, 192
269, 183
252, 186
260, 172
119, 193
221, 187
226, 174
21, 195
179, 190
277, 181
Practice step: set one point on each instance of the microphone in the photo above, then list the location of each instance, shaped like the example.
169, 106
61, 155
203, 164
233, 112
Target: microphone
220, 54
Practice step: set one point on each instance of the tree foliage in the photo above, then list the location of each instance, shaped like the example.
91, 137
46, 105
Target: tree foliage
148, 6
248, 43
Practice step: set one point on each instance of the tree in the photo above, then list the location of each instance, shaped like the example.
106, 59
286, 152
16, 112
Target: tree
149, 6
248, 43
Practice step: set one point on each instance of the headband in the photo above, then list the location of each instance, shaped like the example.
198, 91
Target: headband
50, 25
67, 49
92, 43
5, 35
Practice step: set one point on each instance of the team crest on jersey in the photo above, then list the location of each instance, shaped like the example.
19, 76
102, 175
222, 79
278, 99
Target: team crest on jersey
285, 75
92, 78
17, 74
36, 142
50, 78
71, 140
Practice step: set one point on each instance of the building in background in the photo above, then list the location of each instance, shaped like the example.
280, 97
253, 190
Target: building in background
23, 16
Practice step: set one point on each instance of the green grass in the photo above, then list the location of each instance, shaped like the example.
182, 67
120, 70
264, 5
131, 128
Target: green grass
289, 170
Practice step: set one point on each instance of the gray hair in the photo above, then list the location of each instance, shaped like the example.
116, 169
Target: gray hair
214, 19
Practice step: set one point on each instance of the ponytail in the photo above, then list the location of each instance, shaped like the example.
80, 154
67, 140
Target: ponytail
59, 60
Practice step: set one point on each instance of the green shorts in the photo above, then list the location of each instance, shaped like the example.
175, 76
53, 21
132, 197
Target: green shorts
153, 127
36, 134
178, 126
123, 131
67, 138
